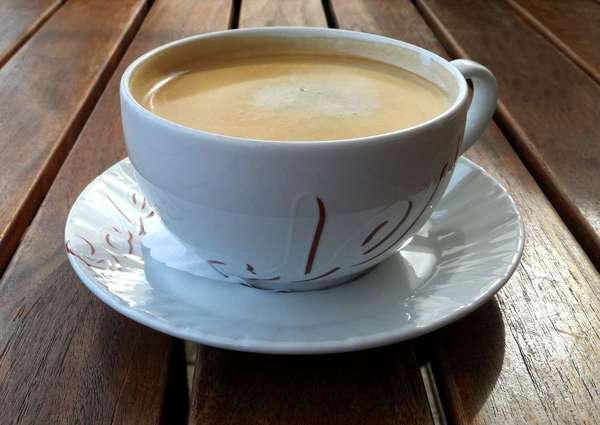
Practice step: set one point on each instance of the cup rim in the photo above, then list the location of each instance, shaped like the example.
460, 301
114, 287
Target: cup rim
450, 112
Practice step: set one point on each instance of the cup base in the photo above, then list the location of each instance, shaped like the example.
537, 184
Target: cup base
306, 286
164, 247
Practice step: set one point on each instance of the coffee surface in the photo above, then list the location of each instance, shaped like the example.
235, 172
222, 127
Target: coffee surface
295, 97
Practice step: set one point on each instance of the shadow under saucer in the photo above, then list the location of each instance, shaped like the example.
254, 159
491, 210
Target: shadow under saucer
467, 358
377, 386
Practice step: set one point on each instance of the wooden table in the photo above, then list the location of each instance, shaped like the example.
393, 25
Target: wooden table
530, 356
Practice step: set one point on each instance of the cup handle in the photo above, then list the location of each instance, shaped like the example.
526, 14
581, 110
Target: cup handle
483, 104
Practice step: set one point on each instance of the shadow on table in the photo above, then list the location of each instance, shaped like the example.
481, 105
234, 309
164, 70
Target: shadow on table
467, 359
378, 386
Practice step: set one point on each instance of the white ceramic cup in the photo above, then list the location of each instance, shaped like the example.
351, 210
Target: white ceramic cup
302, 215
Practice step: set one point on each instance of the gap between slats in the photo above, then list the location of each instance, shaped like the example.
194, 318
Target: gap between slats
234, 18
550, 36
332, 21
29, 33
422, 349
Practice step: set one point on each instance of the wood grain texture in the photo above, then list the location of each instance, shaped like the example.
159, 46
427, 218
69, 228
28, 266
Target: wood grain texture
48, 89
368, 387
573, 26
548, 106
265, 13
380, 386
64, 356
532, 354
19, 19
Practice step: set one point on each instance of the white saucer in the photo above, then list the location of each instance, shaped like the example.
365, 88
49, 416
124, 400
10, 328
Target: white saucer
458, 261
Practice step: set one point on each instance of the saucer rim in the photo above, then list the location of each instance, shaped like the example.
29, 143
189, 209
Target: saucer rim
346, 344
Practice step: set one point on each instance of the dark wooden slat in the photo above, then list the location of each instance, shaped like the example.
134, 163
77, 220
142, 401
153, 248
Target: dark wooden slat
64, 356
373, 387
48, 89
368, 387
531, 355
19, 19
264, 13
573, 26
548, 106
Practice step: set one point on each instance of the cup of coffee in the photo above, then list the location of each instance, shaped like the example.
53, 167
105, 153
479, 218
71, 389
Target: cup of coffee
298, 158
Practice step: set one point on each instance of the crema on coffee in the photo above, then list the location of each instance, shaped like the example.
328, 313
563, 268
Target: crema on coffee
287, 97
